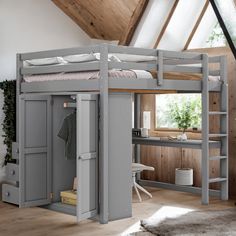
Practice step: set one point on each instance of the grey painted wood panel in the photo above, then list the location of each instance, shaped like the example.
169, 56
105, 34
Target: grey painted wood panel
114, 83
35, 123
15, 150
12, 172
155, 141
35, 177
87, 156
10, 194
59, 52
63, 208
60, 86
120, 156
104, 138
34, 150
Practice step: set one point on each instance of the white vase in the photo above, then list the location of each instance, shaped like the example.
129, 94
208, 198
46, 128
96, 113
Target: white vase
184, 176
182, 137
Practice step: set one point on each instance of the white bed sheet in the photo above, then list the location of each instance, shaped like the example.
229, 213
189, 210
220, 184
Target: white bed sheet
87, 75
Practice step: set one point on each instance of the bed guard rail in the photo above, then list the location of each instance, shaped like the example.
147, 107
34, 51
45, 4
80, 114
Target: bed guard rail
162, 61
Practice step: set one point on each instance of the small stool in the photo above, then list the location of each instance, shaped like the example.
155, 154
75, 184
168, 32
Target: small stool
137, 168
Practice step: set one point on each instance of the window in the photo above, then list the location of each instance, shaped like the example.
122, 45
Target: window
227, 10
216, 38
168, 104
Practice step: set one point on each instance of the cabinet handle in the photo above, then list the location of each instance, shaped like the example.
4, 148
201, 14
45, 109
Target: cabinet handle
13, 172
7, 194
88, 156
17, 150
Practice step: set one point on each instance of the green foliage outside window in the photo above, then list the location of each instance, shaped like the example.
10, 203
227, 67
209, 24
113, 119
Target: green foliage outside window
216, 38
175, 111
187, 114
9, 122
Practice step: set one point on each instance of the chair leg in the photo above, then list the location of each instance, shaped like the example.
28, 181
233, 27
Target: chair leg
135, 187
144, 190
136, 190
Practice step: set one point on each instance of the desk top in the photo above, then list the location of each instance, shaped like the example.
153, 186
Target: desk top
190, 143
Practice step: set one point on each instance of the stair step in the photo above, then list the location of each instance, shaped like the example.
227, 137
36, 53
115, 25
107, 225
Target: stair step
217, 113
212, 158
217, 180
217, 135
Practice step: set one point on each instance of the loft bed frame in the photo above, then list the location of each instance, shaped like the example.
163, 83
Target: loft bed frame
166, 62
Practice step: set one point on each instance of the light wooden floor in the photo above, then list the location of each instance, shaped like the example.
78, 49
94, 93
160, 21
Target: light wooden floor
41, 222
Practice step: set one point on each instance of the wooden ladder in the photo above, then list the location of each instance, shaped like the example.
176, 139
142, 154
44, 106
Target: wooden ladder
223, 135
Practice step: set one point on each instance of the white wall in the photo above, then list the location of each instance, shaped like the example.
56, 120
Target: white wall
32, 25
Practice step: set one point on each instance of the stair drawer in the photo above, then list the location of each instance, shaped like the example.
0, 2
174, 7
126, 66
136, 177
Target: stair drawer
10, 194
15, 150
12, 172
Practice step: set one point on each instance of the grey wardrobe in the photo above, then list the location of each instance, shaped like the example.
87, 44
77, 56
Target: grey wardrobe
43, 170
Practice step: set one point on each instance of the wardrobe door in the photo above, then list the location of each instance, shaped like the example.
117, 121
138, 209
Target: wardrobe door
34, 150
87, 155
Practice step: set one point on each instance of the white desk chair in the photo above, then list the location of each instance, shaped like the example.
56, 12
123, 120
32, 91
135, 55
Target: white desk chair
137, 168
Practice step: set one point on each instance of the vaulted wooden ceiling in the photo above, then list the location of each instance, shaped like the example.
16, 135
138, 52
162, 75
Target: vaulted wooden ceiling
102, 19
171, 23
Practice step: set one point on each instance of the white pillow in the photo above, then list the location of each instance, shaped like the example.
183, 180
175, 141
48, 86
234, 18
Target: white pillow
111, 57
45, 61
135, 58
114, 58
80, 58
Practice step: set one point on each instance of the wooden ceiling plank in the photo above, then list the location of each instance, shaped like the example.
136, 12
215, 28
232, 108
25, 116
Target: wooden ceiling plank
133, 23
99, 19
71, 10
166, 23
196, 25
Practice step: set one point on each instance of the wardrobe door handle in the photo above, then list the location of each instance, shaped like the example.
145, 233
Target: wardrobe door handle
88, 156
13, 172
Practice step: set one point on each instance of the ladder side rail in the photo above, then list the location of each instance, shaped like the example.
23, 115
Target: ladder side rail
224, 128
205, 130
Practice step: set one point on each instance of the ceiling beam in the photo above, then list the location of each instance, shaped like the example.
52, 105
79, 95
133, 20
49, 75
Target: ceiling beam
196, 25
133, 23
172, 10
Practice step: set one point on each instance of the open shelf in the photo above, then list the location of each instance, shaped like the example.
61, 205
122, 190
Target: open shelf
63, 208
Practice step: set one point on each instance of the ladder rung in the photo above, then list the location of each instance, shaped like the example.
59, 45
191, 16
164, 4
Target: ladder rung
217, 135
217, 113
212, 158
217, 180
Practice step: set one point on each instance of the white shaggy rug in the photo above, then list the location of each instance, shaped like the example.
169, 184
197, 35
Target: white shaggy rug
210, 223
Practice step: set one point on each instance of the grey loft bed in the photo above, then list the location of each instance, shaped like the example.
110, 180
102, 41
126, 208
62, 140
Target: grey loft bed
167, 61
113, 122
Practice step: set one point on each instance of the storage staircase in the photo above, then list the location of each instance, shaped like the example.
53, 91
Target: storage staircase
222, 136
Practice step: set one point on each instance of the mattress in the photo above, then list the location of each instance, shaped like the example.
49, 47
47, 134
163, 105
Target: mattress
115, 73
87, 75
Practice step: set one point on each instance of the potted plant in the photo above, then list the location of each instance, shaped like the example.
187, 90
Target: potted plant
185, 115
